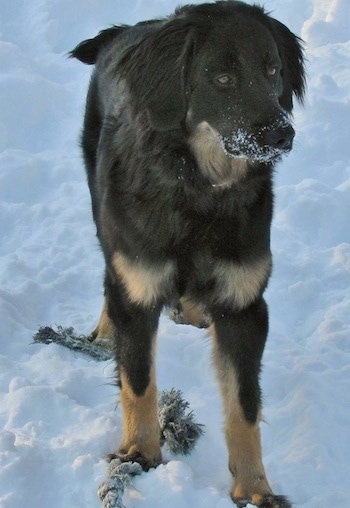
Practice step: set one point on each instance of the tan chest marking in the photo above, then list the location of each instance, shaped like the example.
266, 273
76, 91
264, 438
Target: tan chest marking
220, 169
241, 283
144, 284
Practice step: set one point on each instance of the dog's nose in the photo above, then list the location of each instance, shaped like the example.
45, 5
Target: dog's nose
280, 137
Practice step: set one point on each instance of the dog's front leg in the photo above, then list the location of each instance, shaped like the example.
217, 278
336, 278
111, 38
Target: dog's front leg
135, 333
239, 339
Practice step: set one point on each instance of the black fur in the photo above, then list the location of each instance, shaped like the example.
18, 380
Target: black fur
223, 75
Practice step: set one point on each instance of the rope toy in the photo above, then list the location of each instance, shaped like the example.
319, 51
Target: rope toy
68, 338
178, 428
111, 491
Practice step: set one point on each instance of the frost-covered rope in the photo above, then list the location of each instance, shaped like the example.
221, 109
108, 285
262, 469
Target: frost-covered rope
178, 430
68, 338
111, 491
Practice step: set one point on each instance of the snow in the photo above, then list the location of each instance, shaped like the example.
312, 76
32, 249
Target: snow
58, 415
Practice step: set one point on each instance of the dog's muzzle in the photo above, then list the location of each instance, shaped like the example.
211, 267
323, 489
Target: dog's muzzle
266, 144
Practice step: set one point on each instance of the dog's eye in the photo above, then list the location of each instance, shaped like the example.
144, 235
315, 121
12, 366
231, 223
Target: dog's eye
224, 79
272, 71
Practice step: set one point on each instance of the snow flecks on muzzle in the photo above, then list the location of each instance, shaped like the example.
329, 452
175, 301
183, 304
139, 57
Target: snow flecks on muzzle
244, 144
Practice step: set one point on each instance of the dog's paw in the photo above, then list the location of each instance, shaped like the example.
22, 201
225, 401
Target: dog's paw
268, 501
136, 456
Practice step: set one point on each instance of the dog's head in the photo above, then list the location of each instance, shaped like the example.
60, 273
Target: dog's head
226, 72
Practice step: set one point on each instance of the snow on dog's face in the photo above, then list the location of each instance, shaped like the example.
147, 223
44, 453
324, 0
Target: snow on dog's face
237, 87
266, 144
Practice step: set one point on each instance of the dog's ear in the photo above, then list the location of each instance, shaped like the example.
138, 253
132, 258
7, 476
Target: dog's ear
292, 55
88, 51
155, 72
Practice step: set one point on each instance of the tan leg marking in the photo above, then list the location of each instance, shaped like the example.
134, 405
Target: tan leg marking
140, 421
105, 328
144, 284
242, 438
241, 283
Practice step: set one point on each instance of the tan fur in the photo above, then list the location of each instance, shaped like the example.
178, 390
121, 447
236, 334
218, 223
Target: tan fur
140, 421
242, 437
211, 158
144, 284
192, 313
240, 283
105, 328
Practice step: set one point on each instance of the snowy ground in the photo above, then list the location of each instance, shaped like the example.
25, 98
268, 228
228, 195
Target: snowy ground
57, 411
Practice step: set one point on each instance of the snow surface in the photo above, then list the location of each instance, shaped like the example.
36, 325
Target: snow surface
58, 413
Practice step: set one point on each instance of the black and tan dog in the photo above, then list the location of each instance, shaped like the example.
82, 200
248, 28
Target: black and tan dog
185, 120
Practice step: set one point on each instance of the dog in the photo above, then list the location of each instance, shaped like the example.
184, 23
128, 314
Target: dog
186, 118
